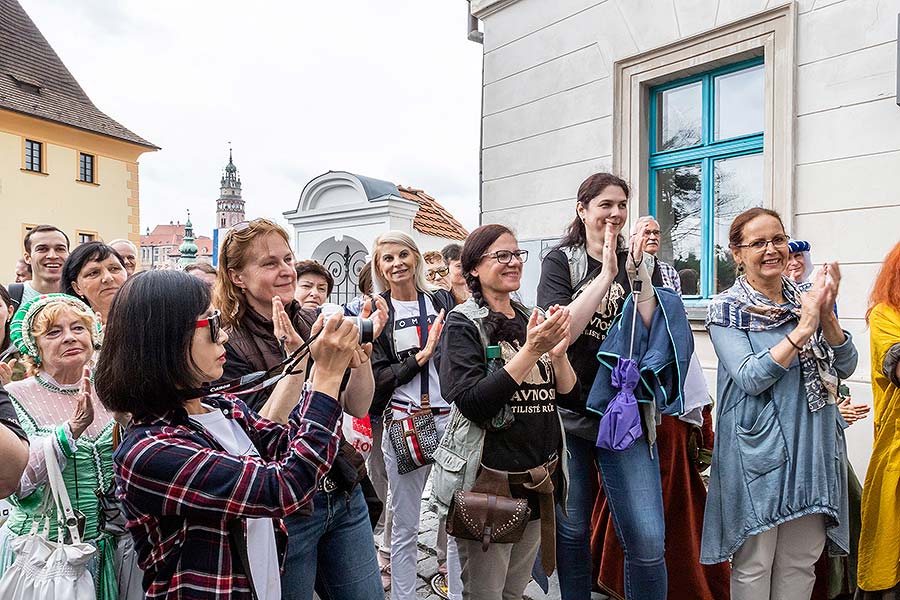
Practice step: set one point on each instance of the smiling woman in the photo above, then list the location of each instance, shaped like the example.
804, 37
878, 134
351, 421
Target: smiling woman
94, 272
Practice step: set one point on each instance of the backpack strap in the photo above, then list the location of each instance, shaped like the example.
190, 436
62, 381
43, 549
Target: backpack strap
16, 291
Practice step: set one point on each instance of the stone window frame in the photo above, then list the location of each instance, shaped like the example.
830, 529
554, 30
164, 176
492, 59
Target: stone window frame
771, 34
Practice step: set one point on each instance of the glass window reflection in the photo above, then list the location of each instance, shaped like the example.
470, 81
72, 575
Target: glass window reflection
680, 117
740, 103
679, 213
737, 186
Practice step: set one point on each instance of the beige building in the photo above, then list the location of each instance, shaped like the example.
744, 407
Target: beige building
706, 107
62, 160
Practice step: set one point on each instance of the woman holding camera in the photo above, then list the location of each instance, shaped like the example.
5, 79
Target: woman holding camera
204, 481
255, 292
406, 379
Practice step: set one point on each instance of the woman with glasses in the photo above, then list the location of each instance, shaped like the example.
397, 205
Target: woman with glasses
204, 480
778, 485
406, 377
591, 273
522, 391
330, 539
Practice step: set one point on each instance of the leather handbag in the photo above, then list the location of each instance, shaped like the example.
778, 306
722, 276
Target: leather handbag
48, 570
488, 513
414, 438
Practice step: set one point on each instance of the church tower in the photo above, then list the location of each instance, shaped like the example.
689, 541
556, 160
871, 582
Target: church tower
229, 206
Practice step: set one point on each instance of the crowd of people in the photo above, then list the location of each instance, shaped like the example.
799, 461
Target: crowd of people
186, 431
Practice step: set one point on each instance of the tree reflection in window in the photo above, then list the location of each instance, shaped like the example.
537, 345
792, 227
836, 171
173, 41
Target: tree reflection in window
679, 212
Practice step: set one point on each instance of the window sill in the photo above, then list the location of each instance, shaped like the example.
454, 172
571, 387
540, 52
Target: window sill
90, 183
29, 171
696, 312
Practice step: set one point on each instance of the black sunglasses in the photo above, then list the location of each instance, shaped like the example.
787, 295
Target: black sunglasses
214, 322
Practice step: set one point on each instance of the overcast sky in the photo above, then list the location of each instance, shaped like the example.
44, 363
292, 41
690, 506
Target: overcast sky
389, 89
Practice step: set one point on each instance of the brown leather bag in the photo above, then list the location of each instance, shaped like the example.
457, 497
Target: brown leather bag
488, 513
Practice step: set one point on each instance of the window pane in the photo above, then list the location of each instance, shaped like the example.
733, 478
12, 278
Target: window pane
679, 121
740, 103
678, 210
738, 185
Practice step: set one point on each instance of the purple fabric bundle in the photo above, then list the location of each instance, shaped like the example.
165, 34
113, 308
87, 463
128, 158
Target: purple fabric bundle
620, 425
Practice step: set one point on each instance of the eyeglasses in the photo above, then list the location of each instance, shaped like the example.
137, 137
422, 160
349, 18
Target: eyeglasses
214, 322
438, 272
504, 257
655, 232
759, 246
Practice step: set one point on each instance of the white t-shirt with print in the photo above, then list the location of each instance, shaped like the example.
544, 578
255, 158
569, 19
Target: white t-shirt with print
261, 549
407, 397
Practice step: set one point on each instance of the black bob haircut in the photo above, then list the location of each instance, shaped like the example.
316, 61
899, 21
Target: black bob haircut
146, 355
80, 256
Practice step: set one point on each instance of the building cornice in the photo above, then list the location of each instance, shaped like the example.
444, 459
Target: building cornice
484, 8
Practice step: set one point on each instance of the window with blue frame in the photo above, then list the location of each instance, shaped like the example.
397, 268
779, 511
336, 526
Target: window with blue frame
706, 167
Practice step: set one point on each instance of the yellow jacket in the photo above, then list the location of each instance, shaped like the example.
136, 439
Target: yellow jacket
879, 542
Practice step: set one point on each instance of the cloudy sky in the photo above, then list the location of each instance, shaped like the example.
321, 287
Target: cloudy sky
389, 89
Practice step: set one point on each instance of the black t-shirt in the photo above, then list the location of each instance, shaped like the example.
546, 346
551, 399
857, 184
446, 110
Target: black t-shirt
8, 415
557, 288
534, 436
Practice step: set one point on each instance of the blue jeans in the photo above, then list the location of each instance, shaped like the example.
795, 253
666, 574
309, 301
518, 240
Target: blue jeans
632, 485
332, 551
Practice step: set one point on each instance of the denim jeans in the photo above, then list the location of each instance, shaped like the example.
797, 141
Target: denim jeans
634, 491
331, 551
573, 529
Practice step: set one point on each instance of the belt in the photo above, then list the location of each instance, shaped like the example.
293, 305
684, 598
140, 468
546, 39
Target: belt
540, 481
327, 485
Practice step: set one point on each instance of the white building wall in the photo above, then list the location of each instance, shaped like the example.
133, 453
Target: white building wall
547, 124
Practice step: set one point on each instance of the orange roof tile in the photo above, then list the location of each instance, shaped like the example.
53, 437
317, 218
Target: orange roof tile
173, 235
432, 218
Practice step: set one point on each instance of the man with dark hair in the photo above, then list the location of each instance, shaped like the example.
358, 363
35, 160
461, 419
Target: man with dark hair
314, 284
454, 277
46, 249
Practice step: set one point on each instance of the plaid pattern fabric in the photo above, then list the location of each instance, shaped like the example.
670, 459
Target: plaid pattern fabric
179, 490
670, 276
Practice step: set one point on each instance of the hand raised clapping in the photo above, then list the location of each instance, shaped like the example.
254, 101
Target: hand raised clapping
546, 335
84, 406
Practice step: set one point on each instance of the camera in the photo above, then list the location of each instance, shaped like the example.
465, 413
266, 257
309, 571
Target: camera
364, 326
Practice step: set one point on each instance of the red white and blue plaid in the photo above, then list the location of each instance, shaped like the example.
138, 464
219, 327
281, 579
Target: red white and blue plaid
179, 491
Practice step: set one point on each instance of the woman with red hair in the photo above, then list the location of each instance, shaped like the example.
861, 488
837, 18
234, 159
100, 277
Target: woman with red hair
879, 554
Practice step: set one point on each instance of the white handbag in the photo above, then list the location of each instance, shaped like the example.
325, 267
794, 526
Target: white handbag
48, 570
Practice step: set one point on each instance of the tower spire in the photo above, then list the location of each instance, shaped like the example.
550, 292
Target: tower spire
230, 205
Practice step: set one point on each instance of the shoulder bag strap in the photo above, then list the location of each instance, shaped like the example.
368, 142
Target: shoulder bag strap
424, 374
60, 495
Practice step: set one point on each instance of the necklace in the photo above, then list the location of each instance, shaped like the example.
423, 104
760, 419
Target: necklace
55, 388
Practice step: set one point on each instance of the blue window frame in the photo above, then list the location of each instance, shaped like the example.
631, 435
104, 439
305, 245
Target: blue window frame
706, 167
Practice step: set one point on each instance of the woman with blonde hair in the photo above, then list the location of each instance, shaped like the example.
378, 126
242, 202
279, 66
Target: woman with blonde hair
330, 538
406, 381
879, 554
57, 335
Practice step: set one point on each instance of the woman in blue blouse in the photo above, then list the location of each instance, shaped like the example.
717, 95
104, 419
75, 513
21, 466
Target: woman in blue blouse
778, 486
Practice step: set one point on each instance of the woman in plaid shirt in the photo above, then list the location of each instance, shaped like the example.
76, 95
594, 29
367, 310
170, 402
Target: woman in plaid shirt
205, 481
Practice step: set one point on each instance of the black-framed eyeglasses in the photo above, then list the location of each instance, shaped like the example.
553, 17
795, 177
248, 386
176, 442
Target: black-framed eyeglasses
649, 232
759, 246
504, 257
214, 322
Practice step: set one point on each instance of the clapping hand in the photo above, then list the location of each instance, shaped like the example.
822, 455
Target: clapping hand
84, 406
559, 350
544, 335
378, 315
283, 328
831, 274
6, 371
434, 335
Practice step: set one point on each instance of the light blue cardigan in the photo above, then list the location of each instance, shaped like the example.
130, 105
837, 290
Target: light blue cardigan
773, 460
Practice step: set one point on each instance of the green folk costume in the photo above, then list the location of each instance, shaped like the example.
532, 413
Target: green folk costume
42, 405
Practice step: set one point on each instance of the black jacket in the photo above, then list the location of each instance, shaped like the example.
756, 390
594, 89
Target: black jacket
389, 371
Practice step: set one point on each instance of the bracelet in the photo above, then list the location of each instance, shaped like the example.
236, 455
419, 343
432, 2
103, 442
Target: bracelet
788, 338
62, 438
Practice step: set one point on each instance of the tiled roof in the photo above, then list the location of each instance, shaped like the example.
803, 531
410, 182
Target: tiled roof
34, 81
173, 235
432, 218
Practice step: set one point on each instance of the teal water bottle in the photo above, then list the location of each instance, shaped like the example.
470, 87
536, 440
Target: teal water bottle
503, 419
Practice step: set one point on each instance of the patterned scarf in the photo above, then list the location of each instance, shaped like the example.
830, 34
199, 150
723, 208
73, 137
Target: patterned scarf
742, 307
